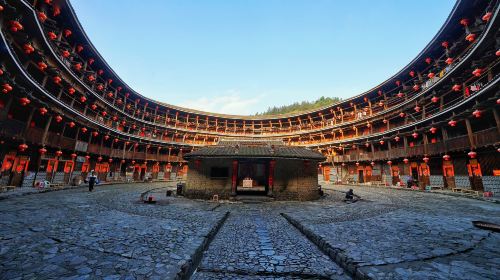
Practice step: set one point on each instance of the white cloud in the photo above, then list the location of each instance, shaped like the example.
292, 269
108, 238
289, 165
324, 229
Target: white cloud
232, 102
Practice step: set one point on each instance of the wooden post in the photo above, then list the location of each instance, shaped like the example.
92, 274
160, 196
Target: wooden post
272, 164
234, 177
497, 119
469, 133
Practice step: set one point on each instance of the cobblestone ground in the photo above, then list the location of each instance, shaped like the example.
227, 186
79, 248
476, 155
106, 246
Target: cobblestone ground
389, 234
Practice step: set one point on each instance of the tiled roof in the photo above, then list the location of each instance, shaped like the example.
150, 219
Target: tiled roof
237, 151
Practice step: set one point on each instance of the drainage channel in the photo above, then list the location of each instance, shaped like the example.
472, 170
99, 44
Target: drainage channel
259, 243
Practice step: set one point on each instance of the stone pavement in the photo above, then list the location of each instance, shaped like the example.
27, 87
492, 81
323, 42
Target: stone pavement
109, 234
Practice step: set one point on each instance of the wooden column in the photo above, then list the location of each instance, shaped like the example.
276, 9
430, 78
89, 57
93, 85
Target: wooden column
234, 177
46, 130
497, 119
272, 164
469, 133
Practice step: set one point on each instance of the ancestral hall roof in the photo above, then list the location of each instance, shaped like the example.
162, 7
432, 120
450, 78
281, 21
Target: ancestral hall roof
227, 148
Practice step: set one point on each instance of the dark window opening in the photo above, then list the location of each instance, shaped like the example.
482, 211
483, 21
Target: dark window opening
219, 172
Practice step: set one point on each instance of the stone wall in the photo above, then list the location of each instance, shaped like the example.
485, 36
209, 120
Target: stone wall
293, 180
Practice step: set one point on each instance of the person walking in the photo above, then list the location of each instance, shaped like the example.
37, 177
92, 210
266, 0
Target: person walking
92, 180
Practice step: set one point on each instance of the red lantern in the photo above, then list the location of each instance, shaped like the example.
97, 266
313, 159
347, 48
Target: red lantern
405, 160
372, 163
100, 72
431, 75
95, 133
476, 113
416, 87
116, 140
456, 87
449, 60
115, 118
415, 135
24, 101
100, 87
434, 99
396, 138
497, 53
79, 48
119, 88
110, 94
428, 60
28, 48
477, 72
106, 137
402, 114
400, 94
381, 142
110, 160
464, 22
384, 121
389, 162
445, 44
59, 153
42, 151
91, 78
72, 124
91, 61
433, 130
22, 147
472, 154
6, 88
42, 66
398, 83
73, 155
417, 108
43, 111
133, 161
67, 33
487, 16
104, 113
83, 99
99, 159
57, 80
78, 66
123, 161
452, 123
367, 144
58, 118
498, 101
110, 81
412, 73
87, 157
15, 26
446, 157
66, 54
425, 159
470, 38
84, 129
93, 106
52, 35
71, 90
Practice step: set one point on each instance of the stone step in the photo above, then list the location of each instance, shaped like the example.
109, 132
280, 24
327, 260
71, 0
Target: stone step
254, 198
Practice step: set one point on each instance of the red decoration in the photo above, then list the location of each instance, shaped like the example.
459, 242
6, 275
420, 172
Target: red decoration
402, 114
477, 72
414, 134
91, 78
58, 118
396, 138
431, 75
87, 157
84, 129
59, 153
79, 48
428, 60
71, 90
384, 121
446, 157
91, 61
28, 48
416, 87
104, 113
456, 87
99, 159
472, 154
100, 72
417, 108
71, 124
42, 66
110, 160
433, 130
22, 147
425, 159
123, 161
452, 123
372, 163
42, 151
398, 83
78, 66
67, 33
357, 163
464, 22
106, 137
73, 155
43, 111
15, 26
52, 35
133, 161
95, 133
477, 113
445, 44
389, 162
6, 88
470, 38
24, 101
57, 80
110, 94
400, 94
434, 99
412, 73
381, 142
100, 87
487, 16
66, 53
83, 99
449, 60
116, 140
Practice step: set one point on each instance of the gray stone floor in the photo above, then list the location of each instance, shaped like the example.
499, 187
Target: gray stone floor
389, 234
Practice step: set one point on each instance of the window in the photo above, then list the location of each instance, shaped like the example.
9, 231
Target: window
219, 172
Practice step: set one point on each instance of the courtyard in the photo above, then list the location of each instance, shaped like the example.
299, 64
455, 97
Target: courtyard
110, 234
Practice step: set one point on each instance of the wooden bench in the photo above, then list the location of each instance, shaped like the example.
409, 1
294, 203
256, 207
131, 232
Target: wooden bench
436, 188
456, 190
473, 192
56, 185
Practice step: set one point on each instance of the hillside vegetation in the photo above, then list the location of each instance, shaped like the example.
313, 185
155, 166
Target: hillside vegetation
300, 106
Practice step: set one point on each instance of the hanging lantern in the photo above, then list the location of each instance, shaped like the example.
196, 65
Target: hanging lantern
416, 87
59, 153
42, 151
456, 87
57, 80
73, 155
487, 16
84, 129
477, 113
87, 157
449, 60
428, 60
464, 22
115, 118
398, 83
477, 72
127, 143
368, 125
71, 90
28, 48
100, 87
452, 123
434, 99
106, 137
66, 54
412, 73
78, 66
71, 124
119, 88
104, 113
15, 26
372, 163
400, 94
417, 108
431, 75
52, 35
415, 135
425, 159
402, 114
446, 157
100, 72
24, 101
381, 142
136, 145
91, 78
99, 159
385, 121
42, 66
445, 44
110, 94
67, 33
22, 147
95, 133
123, 161
405, 160
110, 160
58, 118
498, 101
471, 37
367, 144
43, 111
396, 138
389, 162
83, 98
497, 53
116, 140
93, 106
472, 154
119, 101
433, 130
6, 88
79, 48
91, 61
133, 161
110, 81
357, 163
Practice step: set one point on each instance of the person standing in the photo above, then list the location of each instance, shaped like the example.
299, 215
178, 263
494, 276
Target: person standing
92, 180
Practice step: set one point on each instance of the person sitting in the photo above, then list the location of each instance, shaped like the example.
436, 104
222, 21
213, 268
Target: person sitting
349, 196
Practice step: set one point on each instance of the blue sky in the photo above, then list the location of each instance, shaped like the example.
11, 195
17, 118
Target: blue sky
242, 56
